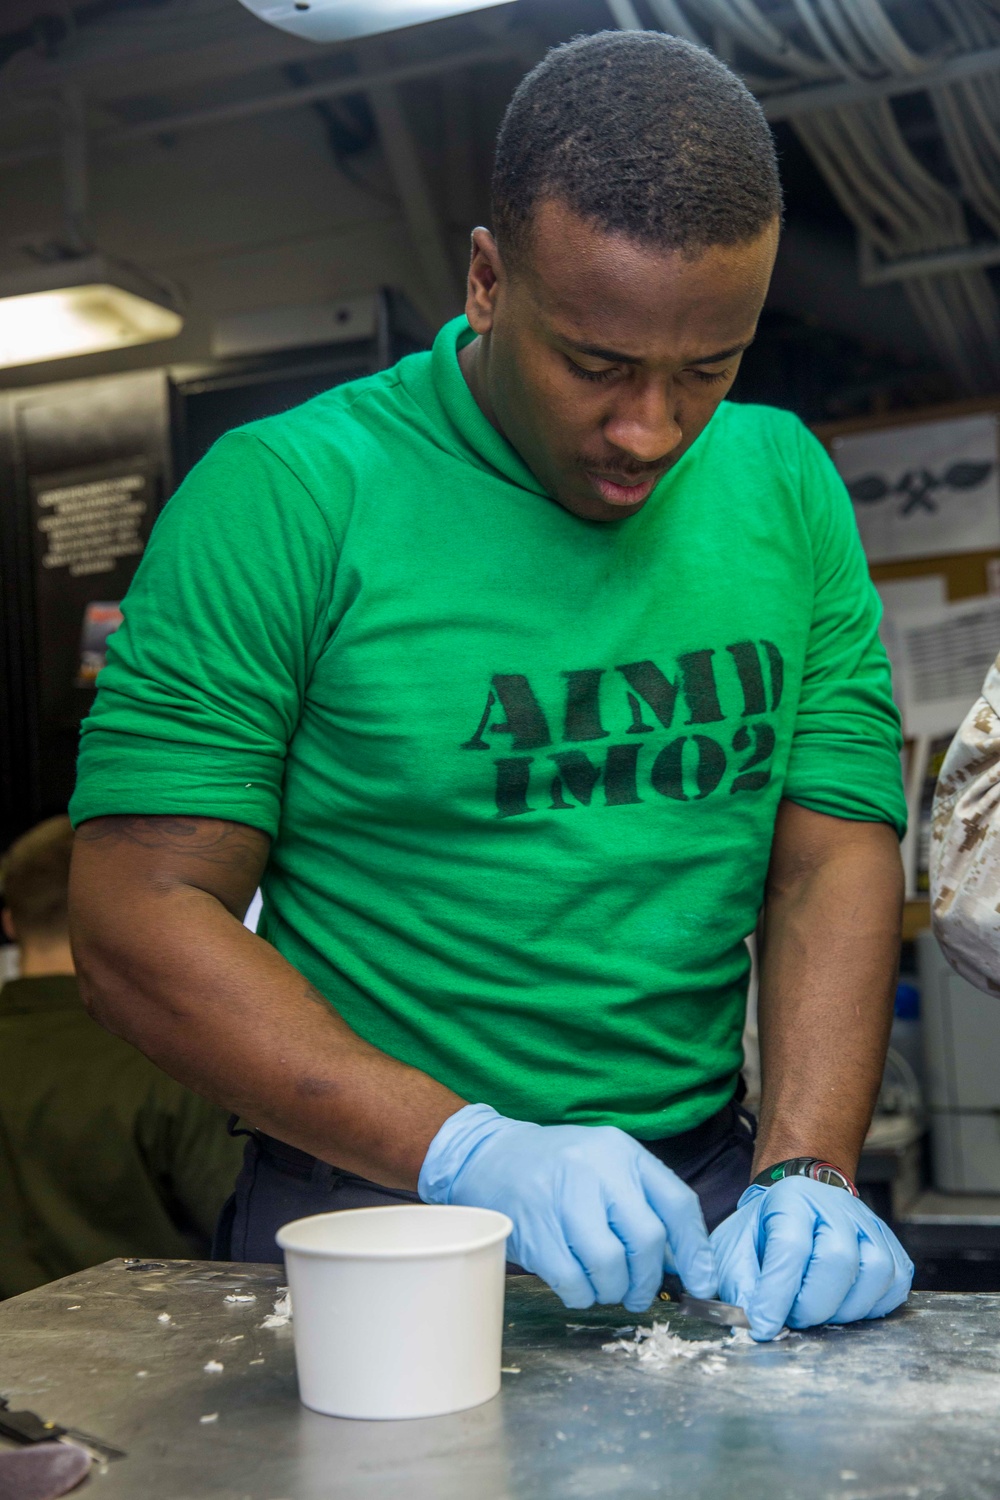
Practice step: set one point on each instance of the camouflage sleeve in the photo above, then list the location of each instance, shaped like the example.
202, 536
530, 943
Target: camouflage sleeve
965, 844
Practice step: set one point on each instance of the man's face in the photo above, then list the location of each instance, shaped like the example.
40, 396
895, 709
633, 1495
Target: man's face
601, 359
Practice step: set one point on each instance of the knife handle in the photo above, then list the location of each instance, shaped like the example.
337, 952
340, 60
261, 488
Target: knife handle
671, 1288
26, 1427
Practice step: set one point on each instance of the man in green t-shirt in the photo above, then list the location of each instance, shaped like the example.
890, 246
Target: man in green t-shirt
522, 677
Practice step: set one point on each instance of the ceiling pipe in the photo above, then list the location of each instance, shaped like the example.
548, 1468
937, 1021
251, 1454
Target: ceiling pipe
243, 109
786, 106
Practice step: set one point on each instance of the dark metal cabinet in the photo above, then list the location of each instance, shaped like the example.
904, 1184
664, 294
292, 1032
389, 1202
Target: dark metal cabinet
84, 468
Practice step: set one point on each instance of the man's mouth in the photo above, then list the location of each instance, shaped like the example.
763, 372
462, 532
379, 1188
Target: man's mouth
623, 492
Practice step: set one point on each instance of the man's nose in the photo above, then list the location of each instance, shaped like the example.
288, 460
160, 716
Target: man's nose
645, 424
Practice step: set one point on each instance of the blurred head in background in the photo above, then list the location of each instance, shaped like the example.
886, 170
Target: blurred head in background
34, 883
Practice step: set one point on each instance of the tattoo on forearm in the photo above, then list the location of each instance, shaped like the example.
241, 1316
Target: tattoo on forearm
214, 840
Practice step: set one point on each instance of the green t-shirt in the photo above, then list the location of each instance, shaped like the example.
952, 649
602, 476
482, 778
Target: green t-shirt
520, 769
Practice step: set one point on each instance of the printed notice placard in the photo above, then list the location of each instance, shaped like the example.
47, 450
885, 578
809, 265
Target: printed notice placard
924, 490
87, 527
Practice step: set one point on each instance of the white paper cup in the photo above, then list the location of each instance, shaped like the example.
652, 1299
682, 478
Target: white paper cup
397, 1312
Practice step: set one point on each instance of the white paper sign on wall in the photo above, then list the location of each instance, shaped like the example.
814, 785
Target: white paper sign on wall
942, 656
924, 490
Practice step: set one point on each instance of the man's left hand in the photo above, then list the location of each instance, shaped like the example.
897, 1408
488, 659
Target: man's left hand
802, 1252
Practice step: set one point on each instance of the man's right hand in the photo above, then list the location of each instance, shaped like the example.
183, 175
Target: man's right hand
595, 1214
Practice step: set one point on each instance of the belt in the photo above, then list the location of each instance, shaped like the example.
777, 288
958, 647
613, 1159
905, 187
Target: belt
675, 1151
684, 1151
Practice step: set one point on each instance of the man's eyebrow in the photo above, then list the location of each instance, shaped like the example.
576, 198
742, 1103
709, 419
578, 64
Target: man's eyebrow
609, 355
716, 359
615, 357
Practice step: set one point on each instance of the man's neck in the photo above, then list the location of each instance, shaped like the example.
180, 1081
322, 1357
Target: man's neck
470, 362
44, 960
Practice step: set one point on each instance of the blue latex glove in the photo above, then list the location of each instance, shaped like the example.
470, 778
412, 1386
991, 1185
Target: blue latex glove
594, 1213
803, 1252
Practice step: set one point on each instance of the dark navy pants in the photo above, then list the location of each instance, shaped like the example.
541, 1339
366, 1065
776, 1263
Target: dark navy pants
279, 1183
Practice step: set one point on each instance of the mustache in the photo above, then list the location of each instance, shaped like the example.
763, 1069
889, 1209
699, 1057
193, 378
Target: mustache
623, 471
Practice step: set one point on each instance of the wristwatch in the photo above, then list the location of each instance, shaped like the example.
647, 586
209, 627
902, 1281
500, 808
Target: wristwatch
805, 1166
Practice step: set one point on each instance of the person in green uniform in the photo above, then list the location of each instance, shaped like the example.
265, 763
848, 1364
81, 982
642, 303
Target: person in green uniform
101, 1154
523, 677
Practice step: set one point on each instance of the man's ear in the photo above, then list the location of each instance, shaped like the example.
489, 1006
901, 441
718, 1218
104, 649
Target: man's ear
486, 275
7, 923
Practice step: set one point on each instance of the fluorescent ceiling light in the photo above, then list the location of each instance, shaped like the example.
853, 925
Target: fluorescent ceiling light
338, 20
81, 305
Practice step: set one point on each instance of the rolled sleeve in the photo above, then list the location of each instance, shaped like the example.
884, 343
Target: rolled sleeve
222, 626
845, 757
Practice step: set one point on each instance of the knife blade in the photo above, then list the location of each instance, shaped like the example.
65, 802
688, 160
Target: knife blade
726, 1314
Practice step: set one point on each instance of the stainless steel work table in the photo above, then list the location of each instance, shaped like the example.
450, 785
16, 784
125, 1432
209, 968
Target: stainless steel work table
908, 1409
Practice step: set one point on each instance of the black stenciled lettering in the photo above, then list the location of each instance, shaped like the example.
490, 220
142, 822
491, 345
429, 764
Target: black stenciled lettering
513, 779
579, 776
657, 690
525, 721
667, 775
762, 737
710, 766
687, 769
696, 680
776, 662
620, 787
583, 708
744, 654
477, 742
638, 725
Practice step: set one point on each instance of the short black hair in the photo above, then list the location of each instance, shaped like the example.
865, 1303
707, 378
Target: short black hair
642, 134
34, 880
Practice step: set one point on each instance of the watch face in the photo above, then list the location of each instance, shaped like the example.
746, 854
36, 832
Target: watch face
822, 1171
807, 1166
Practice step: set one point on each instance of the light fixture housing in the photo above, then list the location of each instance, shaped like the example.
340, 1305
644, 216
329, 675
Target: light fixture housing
340, 20
81, 305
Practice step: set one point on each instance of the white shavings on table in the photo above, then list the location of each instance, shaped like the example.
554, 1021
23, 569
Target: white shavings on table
510, 1369
256, 1361
214, 1368
211, 1416
282, 1314
141, 1374
657, 1348
163, 1317
743, 1336
241, 1297
232, 1338
75, 1307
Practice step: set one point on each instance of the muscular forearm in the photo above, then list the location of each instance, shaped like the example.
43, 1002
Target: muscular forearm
177, 974
830, 951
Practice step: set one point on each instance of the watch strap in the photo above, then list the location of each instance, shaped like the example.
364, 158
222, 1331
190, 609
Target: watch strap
812, 1167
